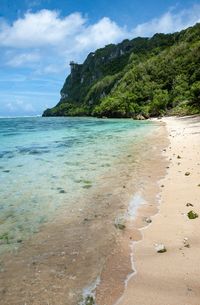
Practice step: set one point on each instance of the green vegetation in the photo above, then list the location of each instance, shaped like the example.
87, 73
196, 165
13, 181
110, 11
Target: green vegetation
89, 300
5, 238
148, 77
87, 185
192, 215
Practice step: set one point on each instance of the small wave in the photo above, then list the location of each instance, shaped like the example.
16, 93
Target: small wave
33, 150
11, 134
89, 293
6, 154
136, 201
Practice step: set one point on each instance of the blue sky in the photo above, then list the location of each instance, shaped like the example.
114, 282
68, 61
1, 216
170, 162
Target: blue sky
38, 38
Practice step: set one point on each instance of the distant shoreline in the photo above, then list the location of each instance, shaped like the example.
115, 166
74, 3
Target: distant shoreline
20, 116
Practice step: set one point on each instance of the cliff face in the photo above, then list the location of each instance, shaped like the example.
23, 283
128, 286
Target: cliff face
101, 75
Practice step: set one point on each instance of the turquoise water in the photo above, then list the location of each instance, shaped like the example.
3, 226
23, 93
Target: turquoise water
45, 163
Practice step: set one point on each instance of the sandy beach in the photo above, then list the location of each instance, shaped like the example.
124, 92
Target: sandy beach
172, 277
100, 152
162, 173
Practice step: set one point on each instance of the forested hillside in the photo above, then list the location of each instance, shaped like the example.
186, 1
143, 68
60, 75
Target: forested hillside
143, 76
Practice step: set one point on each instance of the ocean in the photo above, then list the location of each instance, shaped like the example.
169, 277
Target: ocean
52, 169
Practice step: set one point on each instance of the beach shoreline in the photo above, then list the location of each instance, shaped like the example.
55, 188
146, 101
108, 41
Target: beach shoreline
171, 277
123, 267
67, 255
119, 267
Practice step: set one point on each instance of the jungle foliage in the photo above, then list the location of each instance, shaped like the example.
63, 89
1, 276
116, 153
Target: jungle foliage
145, 76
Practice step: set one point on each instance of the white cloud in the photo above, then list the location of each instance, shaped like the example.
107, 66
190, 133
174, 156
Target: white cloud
40, 29
47, 29
23, 59
103, 32
20, 105
28, 107
45, 41
169, 22
10, 107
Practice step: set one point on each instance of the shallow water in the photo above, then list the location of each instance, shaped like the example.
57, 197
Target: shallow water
68, 180
46, 163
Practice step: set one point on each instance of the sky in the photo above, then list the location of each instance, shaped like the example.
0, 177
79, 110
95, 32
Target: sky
38, 39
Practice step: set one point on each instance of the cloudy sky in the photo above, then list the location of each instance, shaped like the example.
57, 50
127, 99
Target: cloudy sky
38, 38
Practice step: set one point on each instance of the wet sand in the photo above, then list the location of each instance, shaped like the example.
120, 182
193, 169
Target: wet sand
119, 266
83, 244
172, 277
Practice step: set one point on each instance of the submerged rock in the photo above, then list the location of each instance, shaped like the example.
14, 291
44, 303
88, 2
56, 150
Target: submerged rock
89, 300
62, 191
120, 226
120, 223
